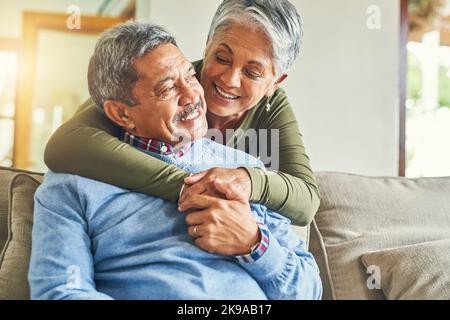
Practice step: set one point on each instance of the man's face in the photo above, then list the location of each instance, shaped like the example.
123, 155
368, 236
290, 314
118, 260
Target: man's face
170, 100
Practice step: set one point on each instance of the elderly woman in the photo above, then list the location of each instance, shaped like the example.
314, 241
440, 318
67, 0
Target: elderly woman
251, 45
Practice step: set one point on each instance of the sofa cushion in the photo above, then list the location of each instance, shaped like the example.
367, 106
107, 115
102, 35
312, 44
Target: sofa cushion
360, 214
415, 272
15, 254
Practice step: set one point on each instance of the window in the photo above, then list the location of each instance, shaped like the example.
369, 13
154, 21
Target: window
8, 75
428, 107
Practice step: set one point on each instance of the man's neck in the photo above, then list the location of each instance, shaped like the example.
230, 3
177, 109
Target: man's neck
155, 145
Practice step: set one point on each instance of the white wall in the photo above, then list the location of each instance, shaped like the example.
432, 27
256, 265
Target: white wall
343, 86
188, 21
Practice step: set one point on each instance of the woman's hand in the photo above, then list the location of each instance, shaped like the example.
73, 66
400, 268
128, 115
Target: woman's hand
203, 183
222, 226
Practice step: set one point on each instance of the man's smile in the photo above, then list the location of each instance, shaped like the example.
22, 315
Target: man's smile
191, 112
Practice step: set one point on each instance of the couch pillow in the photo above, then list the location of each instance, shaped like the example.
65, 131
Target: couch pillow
359, 214
15, 256
415, 272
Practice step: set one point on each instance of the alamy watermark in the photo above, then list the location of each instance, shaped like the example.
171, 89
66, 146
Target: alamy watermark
374, 279
73, 277
73, 22
256, 147
373, 21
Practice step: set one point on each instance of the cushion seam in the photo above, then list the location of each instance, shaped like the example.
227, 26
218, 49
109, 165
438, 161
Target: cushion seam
325, 254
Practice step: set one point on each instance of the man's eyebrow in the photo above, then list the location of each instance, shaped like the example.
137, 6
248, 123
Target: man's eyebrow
161, 82
191, 67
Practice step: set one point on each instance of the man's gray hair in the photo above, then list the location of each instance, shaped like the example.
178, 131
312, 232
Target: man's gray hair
277, 18
111, 74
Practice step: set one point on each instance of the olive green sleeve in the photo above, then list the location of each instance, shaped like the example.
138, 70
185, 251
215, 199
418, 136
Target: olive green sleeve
292, 190
86, 145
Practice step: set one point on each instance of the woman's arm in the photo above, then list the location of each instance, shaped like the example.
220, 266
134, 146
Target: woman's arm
87, 145
292, 189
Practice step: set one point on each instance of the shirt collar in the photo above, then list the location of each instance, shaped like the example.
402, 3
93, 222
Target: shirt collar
155, 146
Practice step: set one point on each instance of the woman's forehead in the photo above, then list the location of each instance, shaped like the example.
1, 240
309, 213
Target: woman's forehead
246, 42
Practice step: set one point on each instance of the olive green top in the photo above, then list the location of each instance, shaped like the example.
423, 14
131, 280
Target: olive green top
88, 145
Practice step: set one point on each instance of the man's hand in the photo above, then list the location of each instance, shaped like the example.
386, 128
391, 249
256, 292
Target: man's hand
222, 226
203, 183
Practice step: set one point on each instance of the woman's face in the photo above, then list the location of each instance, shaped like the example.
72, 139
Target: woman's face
238, 70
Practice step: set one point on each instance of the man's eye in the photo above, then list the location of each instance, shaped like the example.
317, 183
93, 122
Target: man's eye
167, 91
191, 78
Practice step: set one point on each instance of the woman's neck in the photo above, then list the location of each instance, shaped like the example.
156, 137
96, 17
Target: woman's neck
224, 123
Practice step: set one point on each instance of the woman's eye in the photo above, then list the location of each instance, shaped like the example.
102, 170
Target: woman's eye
253, 75
221, 59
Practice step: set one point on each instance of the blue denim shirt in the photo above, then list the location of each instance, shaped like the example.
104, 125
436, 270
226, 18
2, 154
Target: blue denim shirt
93, 240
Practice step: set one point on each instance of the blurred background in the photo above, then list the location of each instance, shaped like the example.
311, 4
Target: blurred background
370, 88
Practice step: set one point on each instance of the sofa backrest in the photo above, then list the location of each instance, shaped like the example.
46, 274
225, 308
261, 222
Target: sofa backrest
360, 214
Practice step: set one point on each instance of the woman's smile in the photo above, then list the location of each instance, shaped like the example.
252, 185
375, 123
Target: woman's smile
224, 94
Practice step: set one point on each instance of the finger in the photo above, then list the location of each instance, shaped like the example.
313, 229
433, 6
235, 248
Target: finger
203, 243
197, 188
196, 177
195, 231
231, 191
196, 201
196, 218
183, 193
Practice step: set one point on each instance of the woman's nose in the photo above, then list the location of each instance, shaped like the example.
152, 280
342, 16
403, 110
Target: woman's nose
231, 78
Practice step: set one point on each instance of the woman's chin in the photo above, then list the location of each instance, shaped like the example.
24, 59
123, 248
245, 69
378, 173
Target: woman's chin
222, 111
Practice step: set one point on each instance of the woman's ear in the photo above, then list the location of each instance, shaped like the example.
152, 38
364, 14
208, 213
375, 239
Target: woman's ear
117, 113
276, 84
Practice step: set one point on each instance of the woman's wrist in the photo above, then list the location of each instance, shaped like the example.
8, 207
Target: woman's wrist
257, 183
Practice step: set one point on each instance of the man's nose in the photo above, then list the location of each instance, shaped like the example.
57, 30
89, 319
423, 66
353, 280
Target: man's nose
188, 95
231, 78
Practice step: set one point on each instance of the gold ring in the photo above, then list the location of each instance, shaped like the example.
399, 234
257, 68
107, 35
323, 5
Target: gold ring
195, 230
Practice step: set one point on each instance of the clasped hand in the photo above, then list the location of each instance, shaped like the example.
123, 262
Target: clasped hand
216, 202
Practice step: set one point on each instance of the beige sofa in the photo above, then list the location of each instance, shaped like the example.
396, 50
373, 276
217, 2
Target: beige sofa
373, 238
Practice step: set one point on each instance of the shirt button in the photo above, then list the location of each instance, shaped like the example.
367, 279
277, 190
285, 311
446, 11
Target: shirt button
163, 149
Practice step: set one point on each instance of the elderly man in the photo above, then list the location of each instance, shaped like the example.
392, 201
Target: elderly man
92, 240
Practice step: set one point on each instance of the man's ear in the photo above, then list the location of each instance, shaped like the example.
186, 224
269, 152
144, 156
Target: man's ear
117, 112
276, 84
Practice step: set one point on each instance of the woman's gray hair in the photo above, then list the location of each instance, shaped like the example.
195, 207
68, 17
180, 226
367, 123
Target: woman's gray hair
277, 18
111, 74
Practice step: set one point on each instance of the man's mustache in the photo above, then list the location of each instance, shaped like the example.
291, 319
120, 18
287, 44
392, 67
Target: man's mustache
187, 111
